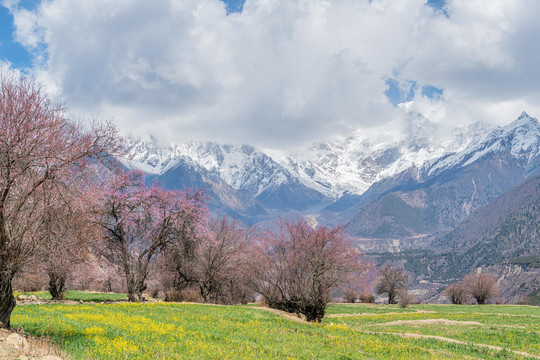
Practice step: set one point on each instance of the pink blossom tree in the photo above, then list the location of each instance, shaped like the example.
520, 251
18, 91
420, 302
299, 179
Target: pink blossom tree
67, 232
39, 146
140, 221
297, 268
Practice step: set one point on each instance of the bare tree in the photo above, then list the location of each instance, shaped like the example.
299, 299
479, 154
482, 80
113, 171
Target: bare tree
297, 268
139, 221
38, 146
350, 296
481, 286
405, 297
216, 265
456, 293
391, 280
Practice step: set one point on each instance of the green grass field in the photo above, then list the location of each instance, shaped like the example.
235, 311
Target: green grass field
187, 331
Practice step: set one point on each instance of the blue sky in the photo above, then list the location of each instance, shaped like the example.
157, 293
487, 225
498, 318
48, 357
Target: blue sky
9, 48
234, 6
279, 74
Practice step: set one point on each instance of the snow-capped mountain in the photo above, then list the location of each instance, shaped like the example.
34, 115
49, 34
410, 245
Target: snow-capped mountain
441, 193
241, 166
353, 170
521, 138
354, 163
349, 164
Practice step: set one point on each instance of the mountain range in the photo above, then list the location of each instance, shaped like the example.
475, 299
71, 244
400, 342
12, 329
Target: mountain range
442, 207
353, 179
441, 193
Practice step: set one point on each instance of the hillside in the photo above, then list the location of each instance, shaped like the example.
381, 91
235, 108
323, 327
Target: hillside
438, 196
501, 237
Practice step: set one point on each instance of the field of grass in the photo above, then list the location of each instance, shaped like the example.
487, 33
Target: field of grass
187, 331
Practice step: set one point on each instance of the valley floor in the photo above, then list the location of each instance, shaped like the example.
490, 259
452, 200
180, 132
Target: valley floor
355, 331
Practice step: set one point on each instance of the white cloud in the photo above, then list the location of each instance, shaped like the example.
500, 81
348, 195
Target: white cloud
282, 73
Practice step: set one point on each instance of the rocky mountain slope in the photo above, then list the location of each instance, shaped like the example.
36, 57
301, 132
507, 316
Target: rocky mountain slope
441, 193
500, 237
482, 240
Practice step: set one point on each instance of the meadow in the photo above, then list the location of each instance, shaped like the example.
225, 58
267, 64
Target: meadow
355, 331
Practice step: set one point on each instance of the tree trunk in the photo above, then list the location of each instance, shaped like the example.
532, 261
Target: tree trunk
108, 285
481, 300
7, 301
392, 297
135, 288
57, 286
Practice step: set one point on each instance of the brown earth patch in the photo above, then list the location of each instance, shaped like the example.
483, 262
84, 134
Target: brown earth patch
286, 315
14, 345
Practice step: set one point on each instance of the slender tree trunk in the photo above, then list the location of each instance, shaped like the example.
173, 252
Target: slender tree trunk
7, 301
57, 286
108, 285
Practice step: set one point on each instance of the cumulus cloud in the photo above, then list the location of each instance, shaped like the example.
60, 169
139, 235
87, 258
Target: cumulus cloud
282, 73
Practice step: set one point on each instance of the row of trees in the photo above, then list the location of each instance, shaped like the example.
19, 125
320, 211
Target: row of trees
480, 286
64, 200
44, 159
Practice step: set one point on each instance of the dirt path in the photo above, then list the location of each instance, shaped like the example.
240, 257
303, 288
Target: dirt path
427, 322
499, 314
452, 341
284, 314
375, 314
16, 346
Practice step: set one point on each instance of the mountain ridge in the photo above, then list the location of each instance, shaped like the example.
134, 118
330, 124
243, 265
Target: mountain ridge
280, 183
450, 188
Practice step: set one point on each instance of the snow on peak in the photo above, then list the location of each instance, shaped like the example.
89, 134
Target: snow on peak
241, 166
150, 157
521, 138
353, 163
523, 121
346, 164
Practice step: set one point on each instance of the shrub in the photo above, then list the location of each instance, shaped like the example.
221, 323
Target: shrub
367, 298
456, 293
173, 295
187, 295
350, 296
405, 298
481, 286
